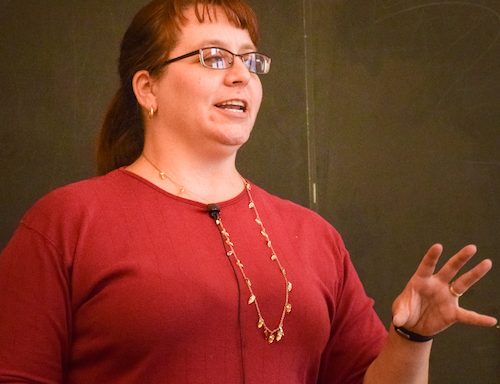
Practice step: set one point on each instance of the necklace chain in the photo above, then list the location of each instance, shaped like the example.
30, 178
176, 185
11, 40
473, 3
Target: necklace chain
164, 176
271, 334
275, 334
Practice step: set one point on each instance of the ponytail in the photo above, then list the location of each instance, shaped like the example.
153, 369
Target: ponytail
121, 138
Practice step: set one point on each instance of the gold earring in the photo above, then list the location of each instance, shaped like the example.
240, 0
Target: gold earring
151, 112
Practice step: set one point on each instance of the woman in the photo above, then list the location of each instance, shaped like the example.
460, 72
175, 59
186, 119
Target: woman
174, 268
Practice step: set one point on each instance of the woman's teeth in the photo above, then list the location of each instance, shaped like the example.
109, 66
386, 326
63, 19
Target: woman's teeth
234, 105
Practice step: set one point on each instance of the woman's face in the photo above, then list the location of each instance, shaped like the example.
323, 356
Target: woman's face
199, 107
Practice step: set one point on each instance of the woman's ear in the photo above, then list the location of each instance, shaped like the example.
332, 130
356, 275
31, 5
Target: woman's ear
143, 85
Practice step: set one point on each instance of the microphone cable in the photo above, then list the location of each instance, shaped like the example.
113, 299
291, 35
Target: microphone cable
214, 212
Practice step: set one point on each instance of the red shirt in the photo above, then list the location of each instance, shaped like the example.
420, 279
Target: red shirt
113, 280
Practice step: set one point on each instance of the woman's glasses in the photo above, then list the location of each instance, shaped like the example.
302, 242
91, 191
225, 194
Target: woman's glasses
220, 58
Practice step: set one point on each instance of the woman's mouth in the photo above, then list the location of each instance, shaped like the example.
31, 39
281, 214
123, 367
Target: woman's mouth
233, 105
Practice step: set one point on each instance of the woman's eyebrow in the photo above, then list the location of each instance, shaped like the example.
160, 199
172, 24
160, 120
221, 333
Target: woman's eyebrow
222, 44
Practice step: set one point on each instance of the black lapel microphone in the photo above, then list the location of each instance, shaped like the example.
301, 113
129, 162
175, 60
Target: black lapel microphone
213, 211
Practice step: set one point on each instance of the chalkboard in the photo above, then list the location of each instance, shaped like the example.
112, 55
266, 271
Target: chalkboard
58, 74
407, 134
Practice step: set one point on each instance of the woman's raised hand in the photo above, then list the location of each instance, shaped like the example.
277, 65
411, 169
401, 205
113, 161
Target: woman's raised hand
429, 303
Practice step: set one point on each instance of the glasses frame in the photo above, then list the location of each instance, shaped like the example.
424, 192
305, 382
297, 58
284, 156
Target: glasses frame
199, 52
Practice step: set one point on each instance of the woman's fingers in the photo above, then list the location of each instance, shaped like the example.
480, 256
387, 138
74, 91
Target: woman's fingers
428, 264
468, 279
455, 263
473, 318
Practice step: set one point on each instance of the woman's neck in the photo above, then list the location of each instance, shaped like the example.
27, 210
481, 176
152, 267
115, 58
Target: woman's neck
189, 177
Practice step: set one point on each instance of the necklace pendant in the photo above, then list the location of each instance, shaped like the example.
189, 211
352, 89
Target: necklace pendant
270, 338
260, 324
280, 334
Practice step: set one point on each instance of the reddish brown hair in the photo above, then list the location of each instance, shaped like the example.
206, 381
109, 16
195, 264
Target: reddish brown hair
152, 34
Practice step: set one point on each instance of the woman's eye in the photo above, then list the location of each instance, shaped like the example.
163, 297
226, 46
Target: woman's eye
215, 61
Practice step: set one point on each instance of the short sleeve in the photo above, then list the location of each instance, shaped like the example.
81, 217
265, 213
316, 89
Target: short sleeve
34, 310
357, 333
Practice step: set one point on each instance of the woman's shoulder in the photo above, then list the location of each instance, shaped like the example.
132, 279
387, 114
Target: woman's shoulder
76, 199
315, 240
82, 191
60, 215
292, 212
277, 202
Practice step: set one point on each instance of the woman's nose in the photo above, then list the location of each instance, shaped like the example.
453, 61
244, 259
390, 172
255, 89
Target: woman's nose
238, 73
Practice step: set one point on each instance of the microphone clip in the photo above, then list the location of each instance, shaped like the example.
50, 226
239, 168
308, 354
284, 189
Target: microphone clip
213, 211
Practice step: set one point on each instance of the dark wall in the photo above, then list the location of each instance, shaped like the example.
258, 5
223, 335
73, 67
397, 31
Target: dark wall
407, 135
389, 108
58, 73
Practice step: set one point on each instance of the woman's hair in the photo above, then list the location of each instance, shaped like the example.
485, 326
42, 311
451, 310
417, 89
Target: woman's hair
152, 34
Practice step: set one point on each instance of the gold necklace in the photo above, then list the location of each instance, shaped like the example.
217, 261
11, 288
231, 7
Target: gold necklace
275, 334
164, 176
271, 335
182, 190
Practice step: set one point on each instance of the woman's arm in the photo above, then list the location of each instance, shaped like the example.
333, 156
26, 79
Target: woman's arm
35, 315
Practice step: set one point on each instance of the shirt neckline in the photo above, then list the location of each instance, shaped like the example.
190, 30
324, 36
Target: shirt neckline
234, 200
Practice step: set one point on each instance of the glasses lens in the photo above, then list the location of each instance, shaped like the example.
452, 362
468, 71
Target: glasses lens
257, 62
216, 58
219, 58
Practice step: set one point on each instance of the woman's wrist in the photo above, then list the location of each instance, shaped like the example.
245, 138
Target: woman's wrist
412, 336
